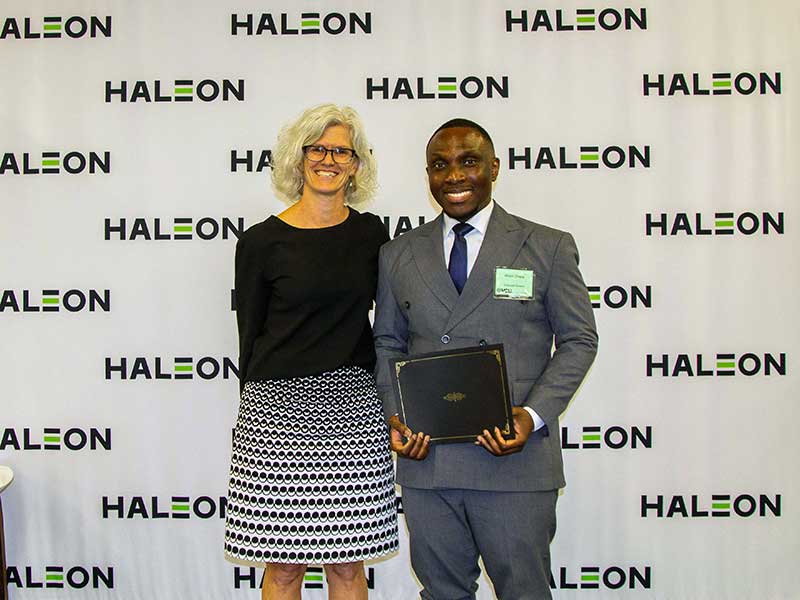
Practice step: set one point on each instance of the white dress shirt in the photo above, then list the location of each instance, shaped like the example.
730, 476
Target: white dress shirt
474, 239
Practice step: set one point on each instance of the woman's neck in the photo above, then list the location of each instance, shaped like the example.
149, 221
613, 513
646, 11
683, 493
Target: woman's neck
314, 212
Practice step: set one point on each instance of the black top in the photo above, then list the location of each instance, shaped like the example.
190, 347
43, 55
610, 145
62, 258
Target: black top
303, 297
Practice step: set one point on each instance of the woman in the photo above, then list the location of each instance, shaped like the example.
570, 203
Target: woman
311, 477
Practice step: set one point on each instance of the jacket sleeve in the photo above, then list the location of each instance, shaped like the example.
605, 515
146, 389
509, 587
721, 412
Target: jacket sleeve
252, 298
391, 334
569, 311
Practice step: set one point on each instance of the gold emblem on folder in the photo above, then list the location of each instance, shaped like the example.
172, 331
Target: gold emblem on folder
454, 396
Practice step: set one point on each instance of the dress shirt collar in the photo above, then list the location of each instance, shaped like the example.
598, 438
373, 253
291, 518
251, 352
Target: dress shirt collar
479, 220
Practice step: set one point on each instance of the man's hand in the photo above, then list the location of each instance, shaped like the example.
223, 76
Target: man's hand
416, 446
494, 442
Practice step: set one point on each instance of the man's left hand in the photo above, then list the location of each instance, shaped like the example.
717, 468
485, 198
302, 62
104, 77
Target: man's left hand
494, 442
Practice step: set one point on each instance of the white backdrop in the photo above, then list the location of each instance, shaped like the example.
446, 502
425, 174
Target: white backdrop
108, 467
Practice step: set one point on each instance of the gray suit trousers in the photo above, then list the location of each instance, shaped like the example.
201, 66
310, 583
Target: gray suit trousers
511, 531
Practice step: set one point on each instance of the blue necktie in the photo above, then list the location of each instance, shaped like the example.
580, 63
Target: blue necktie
458, 256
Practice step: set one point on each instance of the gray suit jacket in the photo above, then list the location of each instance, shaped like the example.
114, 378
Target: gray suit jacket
418, 310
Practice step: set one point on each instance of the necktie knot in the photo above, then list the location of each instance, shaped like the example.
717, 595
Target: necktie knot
462, 229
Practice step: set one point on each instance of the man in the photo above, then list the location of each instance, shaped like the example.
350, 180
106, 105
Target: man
436, 291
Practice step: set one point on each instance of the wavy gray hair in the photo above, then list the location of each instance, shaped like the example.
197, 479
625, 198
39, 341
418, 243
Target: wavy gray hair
287, 159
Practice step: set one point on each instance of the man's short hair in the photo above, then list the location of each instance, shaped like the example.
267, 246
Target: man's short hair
463, 123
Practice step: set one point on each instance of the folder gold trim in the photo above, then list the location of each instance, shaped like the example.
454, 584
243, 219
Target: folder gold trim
469, 390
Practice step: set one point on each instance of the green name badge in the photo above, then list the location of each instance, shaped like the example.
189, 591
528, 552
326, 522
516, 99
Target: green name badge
513, 284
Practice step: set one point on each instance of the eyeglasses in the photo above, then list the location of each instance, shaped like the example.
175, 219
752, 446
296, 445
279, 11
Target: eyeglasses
342, 156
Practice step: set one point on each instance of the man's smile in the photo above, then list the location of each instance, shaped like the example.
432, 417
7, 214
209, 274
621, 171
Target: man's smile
458, 195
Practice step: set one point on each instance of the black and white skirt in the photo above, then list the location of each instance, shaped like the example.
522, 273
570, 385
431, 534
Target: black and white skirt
311, 477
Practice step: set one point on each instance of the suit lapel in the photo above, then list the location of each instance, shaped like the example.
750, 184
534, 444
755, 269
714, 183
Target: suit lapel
501, 245
428, 252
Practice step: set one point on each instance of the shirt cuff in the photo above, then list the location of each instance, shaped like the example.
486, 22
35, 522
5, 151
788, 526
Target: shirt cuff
537, 420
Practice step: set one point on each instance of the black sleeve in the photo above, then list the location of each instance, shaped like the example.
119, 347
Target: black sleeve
383, 233
252, 297
381, 236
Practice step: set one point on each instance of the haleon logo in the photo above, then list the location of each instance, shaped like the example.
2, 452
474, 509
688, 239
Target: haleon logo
71, 162
54, 300
179, 367
718, 505
56, 27
177, 228
443, 87
619, 296
397, 226
76, 578
748, 364
180, 90
587, 157
615, 437
55, 439
307, 23
720, 223
718, 84
583, 19
153, 507
314, 579
250, 161
607, 578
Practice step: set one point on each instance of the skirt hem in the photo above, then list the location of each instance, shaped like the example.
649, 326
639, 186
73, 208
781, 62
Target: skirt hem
261, 563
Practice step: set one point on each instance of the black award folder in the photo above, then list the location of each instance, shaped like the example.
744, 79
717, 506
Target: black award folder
453, 396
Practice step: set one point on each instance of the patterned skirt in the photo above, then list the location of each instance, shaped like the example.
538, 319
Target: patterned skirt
311, 477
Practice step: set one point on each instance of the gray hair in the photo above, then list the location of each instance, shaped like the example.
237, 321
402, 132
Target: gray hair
287, 159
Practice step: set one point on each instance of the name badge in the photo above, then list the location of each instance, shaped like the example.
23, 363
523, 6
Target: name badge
513, 284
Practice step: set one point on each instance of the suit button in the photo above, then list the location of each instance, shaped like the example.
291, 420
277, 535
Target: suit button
482, 343
407, 304
445, 339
